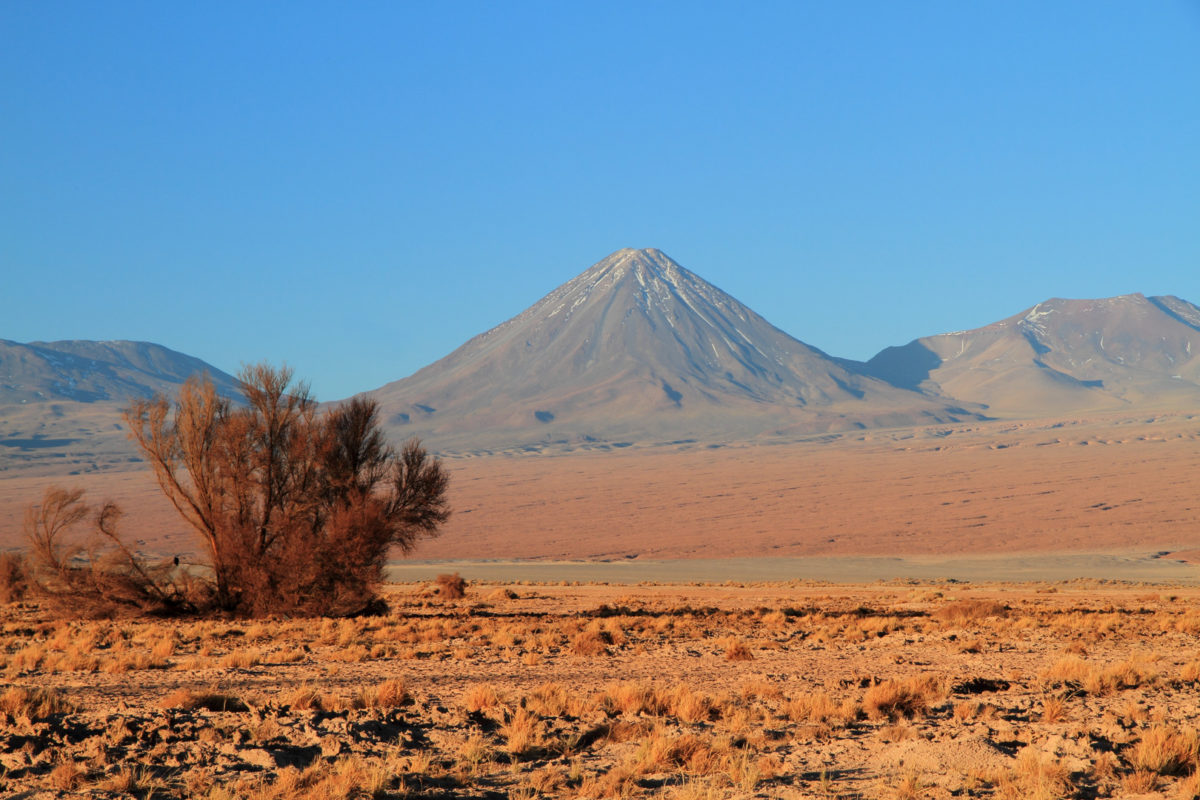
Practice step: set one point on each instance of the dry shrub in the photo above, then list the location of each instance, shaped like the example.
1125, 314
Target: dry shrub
127, 780
546, 781
909, 787
1165, 751
1129, 674
305, 698
549, 700
14, 577
241, 659
892, 698
760, 689
451, 587
635, 698
967, 710
1072, 670
690, 752
1142, 781
296, 511
96, 574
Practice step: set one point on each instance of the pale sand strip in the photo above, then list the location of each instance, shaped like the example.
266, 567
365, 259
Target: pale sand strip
1132, 567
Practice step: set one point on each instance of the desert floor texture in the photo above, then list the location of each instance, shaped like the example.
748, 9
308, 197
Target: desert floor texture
893, 689
1086, 485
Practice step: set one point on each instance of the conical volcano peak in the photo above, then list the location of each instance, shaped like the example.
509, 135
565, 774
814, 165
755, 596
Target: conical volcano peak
637, 348
643, 263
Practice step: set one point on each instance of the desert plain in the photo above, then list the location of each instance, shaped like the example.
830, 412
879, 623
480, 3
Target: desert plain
1000, 609
1069, 486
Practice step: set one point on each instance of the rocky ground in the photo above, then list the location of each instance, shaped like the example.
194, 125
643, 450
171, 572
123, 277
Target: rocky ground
891, 690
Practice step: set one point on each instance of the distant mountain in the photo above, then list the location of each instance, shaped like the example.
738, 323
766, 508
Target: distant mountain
89, 372
61, 402
1121, 352
637, 348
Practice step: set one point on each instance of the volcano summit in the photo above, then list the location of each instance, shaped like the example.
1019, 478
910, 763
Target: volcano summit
639, 349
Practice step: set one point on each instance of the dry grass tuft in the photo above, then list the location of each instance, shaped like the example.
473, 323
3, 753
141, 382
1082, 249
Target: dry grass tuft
189, 700
590, 642
481, 696
737, 650
1165, 751
36, 703
901, 698
1054, 709
1036, 777
14, 577
963, 611
67, 777
390, 693
451, 587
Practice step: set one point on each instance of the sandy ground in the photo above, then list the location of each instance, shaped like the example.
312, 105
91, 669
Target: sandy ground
1150, 568
1127, 488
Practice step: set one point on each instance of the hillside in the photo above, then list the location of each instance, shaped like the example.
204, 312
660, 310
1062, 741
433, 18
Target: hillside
1062, 356
61, 402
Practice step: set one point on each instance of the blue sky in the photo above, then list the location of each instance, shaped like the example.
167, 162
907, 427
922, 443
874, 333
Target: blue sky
357, 189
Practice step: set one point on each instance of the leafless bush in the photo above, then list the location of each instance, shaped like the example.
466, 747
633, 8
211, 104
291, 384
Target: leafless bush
95, 574
296, 511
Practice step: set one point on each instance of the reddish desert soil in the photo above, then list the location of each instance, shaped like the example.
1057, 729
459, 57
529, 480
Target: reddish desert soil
1069, 486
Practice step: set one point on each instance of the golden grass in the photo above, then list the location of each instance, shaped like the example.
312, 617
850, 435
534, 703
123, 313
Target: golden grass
893, 698
571, 702
1163, 750
34, 702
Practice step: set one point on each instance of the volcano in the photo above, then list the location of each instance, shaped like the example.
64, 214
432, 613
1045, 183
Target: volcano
637, 349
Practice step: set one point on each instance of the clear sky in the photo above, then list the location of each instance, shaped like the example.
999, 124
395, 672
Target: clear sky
356, 189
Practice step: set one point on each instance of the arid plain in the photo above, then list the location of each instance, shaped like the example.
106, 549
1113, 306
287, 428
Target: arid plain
1085, 485
993, 609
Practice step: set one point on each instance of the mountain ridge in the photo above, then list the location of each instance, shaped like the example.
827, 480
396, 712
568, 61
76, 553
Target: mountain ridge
85, 370
61, 402
636, 349
1061, 355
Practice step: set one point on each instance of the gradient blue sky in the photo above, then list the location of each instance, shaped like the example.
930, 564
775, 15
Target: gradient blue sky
357, 189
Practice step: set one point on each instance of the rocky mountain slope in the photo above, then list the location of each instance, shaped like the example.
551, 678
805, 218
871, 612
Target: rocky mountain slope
61, 402
639, 349
1061, 356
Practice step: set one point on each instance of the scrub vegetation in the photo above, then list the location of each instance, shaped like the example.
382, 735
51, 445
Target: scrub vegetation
772, 690
295, 511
